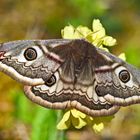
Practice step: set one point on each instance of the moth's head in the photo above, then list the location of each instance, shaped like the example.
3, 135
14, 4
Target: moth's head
30, 61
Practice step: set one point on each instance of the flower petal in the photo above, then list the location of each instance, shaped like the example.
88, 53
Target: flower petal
64, 124
68, 32
109, 41
96, 25
105, 49
122, 56
81, 123
77, 114
98, 127
82, 31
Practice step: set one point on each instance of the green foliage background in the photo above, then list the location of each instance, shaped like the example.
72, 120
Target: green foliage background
21, 119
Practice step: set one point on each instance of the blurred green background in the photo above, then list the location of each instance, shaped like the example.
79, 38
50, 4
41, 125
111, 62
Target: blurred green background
21, 119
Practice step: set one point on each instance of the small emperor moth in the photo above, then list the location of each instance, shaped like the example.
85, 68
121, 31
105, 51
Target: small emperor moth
62, 74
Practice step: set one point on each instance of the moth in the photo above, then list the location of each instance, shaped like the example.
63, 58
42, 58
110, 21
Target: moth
62, 74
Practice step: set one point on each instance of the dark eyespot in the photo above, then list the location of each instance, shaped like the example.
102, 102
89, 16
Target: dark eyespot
98, 91
124, 76
51, 81
30, 54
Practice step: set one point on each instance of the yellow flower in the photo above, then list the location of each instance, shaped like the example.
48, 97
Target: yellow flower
71, 118
97, 36
77, 119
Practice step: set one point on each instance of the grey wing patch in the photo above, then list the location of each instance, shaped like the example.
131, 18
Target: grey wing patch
63, 95
114, 89
118, 95
29, 72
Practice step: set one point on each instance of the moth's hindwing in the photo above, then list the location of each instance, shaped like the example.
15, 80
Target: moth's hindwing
64, 95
